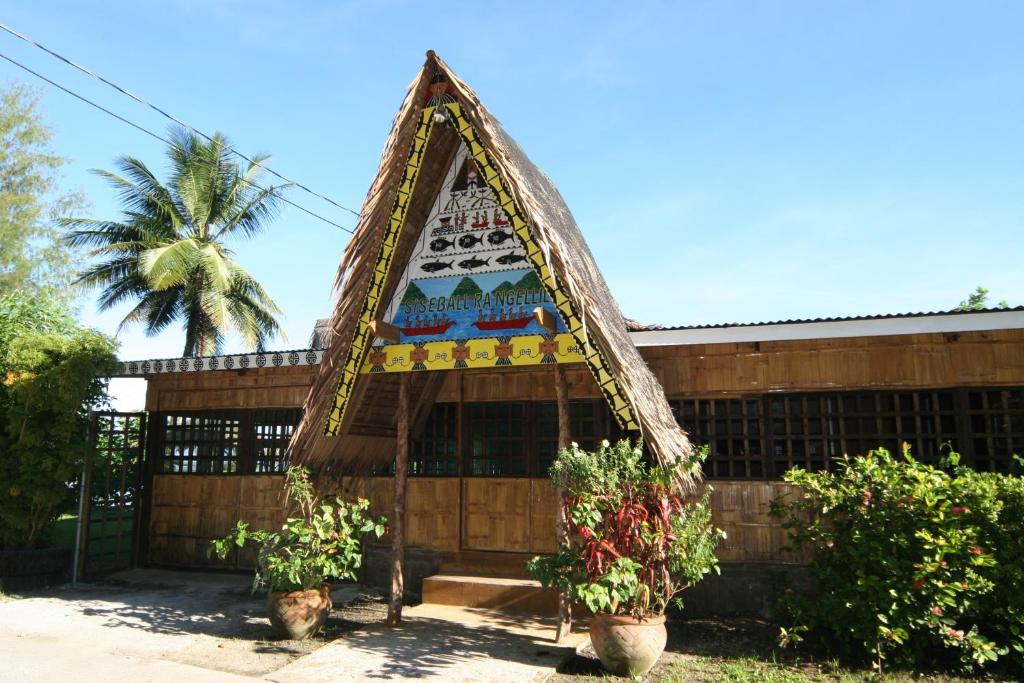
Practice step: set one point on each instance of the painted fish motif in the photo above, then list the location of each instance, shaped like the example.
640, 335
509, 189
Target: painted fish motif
472, 263
498, 237
510, 258
435, 266
469, 241
440, 244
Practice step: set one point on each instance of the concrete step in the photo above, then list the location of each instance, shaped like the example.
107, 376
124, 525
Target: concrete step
501, 593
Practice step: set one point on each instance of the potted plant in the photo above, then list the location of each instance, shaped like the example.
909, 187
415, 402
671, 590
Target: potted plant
633, 544
319, 541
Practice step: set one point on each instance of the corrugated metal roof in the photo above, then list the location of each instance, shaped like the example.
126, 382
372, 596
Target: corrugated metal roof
634, 326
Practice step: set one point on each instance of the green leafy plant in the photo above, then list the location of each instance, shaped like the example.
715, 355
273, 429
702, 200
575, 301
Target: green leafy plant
912, 563
52, 372
634, 543
320, 539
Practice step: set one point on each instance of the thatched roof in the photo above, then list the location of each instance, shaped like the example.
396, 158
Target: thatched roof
633, 392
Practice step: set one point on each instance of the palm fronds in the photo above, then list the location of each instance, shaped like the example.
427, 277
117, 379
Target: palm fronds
167, 251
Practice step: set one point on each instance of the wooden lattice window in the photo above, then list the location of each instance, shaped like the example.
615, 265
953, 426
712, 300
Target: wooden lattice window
807, 431
763, 436
995, 424
732, 430
272, 431
434, 453
813, 430
589, 423
201, 443
225, 441
499, 439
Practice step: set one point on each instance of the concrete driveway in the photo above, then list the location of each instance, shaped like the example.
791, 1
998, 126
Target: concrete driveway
149, 625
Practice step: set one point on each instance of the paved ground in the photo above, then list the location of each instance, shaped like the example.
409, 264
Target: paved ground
439, 643
181, 626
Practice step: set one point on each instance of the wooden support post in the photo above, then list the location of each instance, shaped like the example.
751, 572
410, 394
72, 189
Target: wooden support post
383, 330
545, 319
397, 524
561, 527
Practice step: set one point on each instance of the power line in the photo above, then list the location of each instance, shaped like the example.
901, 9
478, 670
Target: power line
171, 117
160, 137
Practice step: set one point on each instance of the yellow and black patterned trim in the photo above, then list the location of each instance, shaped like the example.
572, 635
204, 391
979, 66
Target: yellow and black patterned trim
595, 360
360, 343
620, 405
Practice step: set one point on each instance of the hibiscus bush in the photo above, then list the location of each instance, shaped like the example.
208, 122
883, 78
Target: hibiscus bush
634, 542
914, 564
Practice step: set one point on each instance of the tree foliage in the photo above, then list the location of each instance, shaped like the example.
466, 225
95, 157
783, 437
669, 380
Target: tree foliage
168, 254
53, 372
31, 254
978, 301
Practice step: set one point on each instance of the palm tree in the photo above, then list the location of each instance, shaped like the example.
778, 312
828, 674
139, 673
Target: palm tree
168, 251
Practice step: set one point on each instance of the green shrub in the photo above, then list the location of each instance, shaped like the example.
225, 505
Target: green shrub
911, 562
51, 373
634, 543
320, 539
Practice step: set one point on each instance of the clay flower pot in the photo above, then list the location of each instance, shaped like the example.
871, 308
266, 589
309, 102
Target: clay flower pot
299, 614
628, 646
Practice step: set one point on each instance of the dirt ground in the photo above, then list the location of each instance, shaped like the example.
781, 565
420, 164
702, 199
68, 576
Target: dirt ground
742, 651
204, 620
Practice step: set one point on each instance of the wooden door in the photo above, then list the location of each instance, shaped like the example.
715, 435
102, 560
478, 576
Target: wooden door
496, 514
432, 513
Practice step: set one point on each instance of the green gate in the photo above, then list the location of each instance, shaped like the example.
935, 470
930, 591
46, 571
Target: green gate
111, 498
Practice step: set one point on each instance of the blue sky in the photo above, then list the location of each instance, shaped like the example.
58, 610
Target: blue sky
726, 161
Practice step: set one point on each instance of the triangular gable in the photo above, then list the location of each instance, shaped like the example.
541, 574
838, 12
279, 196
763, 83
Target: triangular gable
494, 200
440, 112
468, 296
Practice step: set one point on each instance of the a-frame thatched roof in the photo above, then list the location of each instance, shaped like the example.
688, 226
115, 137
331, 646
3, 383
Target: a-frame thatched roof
439, 111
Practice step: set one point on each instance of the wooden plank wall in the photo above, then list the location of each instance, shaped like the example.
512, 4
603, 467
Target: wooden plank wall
899, 361
431, 508
516, 515
189, 510
741, 509
267, 387
853, 363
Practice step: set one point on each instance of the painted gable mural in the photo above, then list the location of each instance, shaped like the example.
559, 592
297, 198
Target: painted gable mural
468, 295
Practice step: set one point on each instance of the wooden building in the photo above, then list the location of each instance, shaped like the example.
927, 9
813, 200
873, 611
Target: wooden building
467, 299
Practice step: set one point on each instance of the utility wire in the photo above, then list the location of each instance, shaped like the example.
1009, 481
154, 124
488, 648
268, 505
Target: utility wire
161, 138
173, 118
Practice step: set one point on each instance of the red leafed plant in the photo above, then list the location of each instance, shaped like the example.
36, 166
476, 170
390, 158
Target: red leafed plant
634, 542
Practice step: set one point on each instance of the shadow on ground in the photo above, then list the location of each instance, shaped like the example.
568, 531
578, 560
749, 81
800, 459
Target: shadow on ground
475, 645
430, 646
180, 603
732, 638
201, 619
